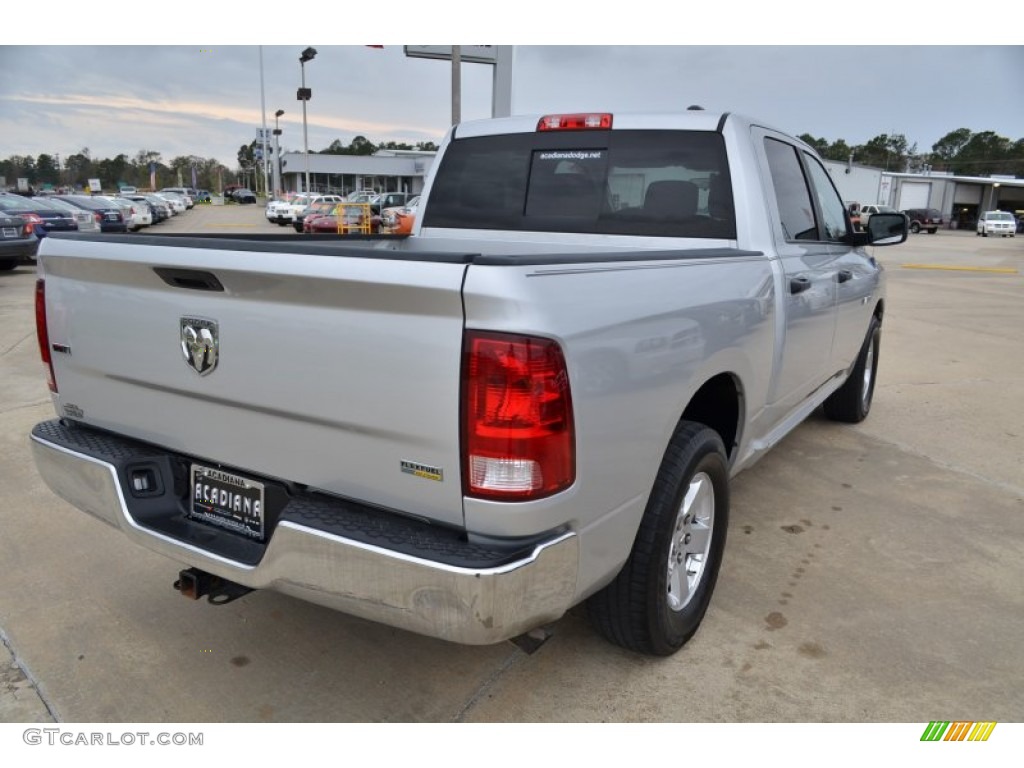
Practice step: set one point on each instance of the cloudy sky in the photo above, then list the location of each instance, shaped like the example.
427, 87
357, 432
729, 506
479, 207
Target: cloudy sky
205, 100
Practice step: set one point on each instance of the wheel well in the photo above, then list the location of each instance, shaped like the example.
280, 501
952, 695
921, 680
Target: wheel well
717, 405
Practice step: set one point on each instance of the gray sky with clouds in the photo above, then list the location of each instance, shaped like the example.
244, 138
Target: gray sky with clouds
205, 99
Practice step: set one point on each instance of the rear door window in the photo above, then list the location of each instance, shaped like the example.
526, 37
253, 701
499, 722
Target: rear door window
664, 183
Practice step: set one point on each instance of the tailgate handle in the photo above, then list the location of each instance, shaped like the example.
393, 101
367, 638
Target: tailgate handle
192, 279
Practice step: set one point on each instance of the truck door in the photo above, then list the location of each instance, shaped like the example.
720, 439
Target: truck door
807, 322
856, 275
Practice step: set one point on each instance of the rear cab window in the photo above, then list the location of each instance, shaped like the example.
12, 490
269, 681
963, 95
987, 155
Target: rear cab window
658, 183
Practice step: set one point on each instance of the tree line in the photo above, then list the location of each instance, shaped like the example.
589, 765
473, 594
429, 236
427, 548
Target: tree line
961, 152
75, 170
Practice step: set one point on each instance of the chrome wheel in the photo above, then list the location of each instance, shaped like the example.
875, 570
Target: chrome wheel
691, 541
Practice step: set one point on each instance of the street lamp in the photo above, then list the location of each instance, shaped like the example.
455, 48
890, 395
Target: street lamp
277, 151
304, 93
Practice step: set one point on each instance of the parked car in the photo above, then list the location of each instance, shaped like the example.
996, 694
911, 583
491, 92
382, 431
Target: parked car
928, 219
176, 201
999, 223
185, 193
159, 206
244, 196
280, 211
113, 215
17, 242
148, 204
867, 211
399, 221
87, 221
318, 208
136, 214
45, 217
344, 219
126, 190
390, 200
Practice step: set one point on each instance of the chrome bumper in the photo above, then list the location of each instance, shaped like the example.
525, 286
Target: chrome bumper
476, 606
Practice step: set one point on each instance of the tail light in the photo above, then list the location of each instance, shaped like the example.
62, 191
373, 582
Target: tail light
32, 222
98, 217
43, 335
518, 438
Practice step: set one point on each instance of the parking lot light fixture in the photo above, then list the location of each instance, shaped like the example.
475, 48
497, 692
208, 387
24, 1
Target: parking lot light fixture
304, 93
277, 151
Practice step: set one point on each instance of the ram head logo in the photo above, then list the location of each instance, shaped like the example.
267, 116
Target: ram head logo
199, 344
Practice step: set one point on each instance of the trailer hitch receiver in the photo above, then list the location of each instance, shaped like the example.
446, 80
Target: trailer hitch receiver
194, 584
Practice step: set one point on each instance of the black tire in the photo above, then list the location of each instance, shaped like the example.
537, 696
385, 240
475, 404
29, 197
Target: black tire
852, 401
932, 231
915, 227
684, 527
7, 266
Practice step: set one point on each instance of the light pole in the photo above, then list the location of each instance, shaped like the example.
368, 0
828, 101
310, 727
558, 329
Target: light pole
277, 151
304, 93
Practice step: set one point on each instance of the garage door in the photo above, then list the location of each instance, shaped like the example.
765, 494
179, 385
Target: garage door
914, 194
967, 194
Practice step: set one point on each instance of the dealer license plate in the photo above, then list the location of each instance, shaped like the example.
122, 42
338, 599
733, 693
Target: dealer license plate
227, 500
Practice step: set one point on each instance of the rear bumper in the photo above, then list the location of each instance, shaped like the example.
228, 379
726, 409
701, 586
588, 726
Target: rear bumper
22, 248
335, 553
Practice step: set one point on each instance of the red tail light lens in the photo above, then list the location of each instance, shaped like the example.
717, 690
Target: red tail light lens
43, 335
594, 121
32, 222
517, 421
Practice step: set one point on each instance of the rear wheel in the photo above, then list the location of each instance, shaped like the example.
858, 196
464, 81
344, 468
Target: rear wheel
658, 599
932, 231
7, 266
852, 401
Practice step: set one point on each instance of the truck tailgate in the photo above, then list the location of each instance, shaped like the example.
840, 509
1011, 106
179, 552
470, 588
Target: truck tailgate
333, 371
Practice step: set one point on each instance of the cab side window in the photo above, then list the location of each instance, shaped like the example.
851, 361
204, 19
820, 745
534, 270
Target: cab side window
791, 191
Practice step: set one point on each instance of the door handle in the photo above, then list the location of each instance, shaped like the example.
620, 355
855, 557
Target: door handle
844, 275
799, 284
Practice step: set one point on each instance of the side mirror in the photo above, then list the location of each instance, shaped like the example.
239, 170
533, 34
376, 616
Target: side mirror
880, 229
887, 229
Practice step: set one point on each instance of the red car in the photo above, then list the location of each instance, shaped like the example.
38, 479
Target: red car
344, 219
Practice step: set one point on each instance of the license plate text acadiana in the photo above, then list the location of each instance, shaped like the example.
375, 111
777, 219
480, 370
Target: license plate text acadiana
227, 500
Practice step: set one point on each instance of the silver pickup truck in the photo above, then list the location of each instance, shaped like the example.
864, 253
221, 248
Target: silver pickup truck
536, 399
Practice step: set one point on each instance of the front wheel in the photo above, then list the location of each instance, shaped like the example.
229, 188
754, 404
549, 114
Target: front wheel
658, 599
852, 401
915, 227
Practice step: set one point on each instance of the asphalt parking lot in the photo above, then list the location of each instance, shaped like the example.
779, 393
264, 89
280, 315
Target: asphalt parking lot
873, 572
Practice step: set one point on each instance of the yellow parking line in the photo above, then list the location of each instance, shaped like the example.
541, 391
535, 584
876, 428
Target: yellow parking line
996, 270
